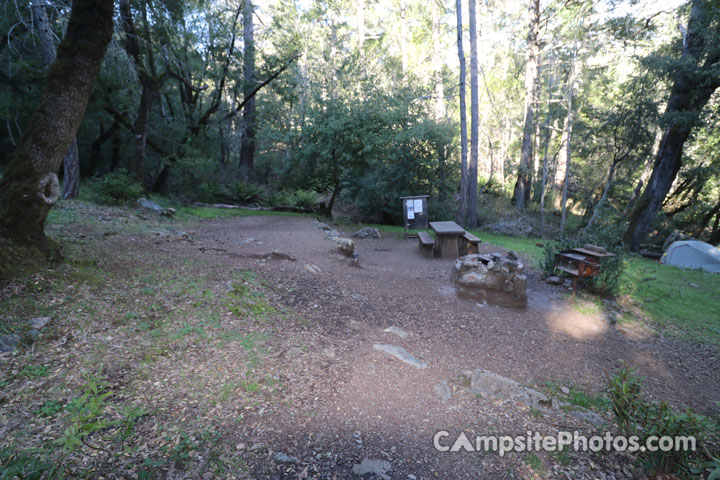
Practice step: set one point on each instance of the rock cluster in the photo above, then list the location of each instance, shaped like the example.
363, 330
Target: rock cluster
345, 246
368, 232
516, 227
492, 278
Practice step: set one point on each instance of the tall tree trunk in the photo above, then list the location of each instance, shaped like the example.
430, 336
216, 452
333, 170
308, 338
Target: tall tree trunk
29, 187
647, 170
463, 118
524, 179
140, 130
474, 124
507, 130
706, 220
603, 197
693, 86
115, 157
548, 139
150, 87
569, 120
71, 163
71, 172
247, 147
715, 235
561, 163
438, 53
103, 136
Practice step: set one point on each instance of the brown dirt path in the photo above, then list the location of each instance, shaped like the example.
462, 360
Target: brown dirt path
349, 401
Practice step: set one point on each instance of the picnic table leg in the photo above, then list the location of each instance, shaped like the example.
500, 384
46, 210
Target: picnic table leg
574, 288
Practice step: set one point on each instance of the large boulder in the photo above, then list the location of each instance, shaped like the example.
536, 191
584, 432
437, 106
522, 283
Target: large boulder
368, 232
493, 278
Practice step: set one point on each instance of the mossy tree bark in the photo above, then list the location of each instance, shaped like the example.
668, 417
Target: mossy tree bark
71, 164
29, 187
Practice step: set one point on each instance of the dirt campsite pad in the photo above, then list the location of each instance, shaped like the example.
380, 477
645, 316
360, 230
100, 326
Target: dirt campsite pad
248, 347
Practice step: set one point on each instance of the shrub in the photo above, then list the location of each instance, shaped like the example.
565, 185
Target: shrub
280, 198
603, 234
635, 416
245, 193
305, 199
213, 192
118, 187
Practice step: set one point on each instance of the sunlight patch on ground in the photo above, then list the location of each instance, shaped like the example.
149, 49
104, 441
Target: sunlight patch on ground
568, 321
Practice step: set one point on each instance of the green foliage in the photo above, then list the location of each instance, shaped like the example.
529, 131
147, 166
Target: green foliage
374, 150
636, 416
118, 187
29, 464
624, 389
49, 408
34, 371
86, 415
245, 193
603, 234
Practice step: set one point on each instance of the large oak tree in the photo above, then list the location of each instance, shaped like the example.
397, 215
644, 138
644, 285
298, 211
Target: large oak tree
694, 82
29, 187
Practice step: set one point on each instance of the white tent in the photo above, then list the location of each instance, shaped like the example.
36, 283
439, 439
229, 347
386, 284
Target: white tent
693, 254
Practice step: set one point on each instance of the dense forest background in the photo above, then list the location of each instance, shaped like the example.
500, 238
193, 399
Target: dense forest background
603, 112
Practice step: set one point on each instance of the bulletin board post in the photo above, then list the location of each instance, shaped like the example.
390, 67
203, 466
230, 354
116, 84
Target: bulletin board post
414, 214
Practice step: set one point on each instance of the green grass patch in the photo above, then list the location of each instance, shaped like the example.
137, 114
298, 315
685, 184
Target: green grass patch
34, 371
682, 303
187, 213
524, 245
534, 462
597, 402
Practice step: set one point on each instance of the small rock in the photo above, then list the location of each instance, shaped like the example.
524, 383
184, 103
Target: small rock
411, 476
328, 352
554, 280
397, 331
284, 458
8, 342
257, 446
332, 234
311, 268
321, 225
150, 205
368, 232
294, 352
693, 285
345, 246
401, 354
565, 390
442, 390
39, 322
372, 467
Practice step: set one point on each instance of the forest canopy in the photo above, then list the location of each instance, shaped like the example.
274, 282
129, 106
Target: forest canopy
581, 113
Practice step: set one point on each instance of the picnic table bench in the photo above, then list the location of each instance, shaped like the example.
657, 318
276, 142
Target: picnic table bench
426, 243
468, 244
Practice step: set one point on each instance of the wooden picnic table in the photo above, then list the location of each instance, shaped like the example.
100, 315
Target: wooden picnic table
447, 234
